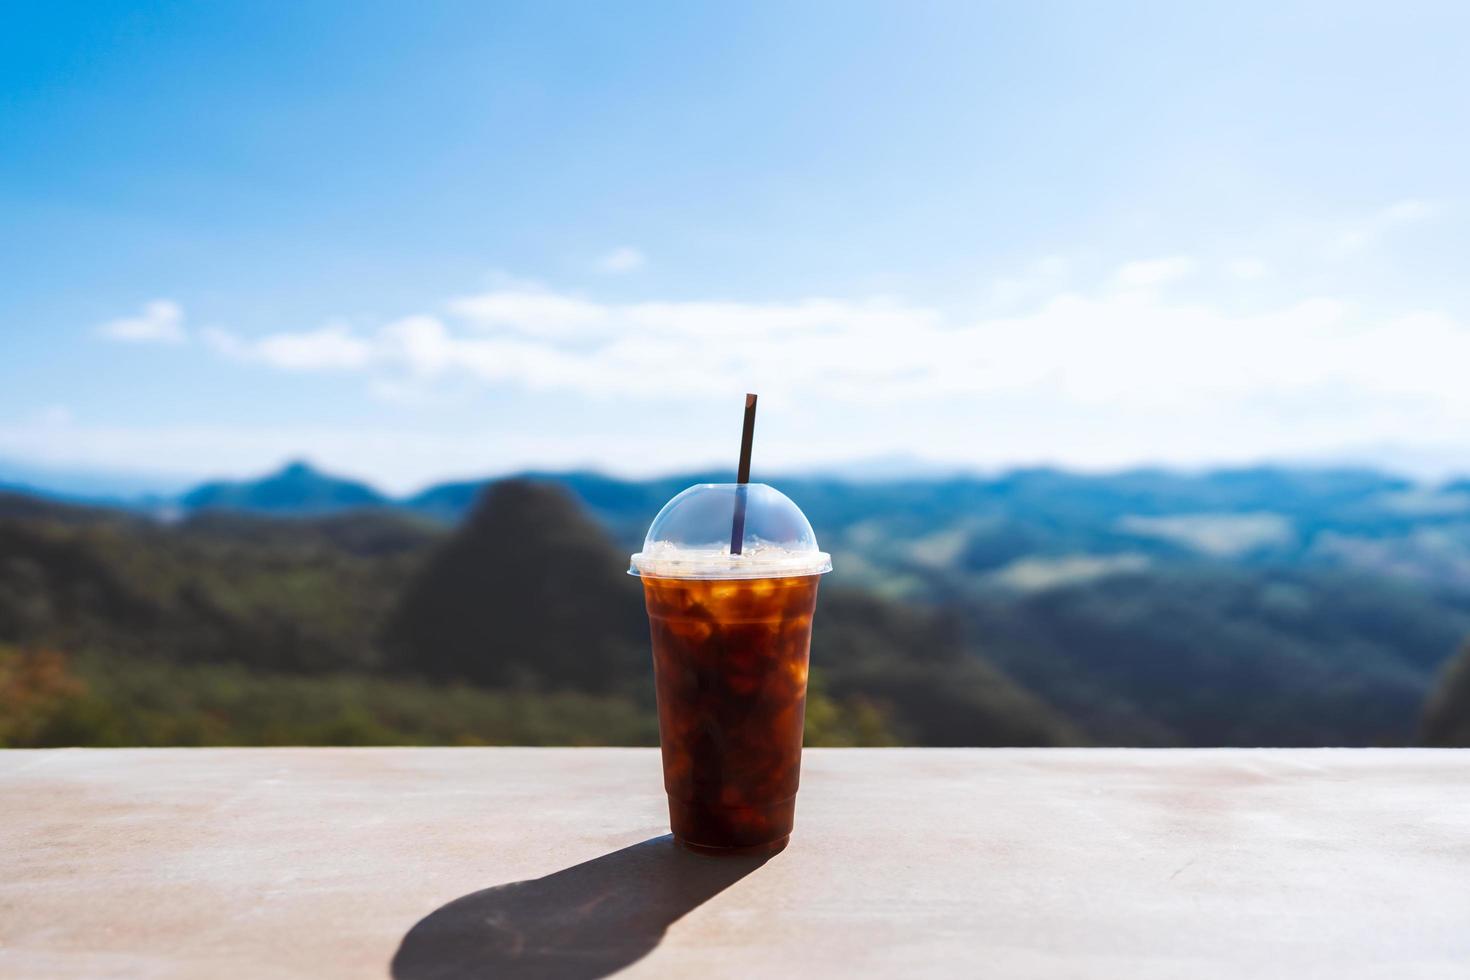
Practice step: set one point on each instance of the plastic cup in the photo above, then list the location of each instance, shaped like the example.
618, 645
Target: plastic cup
731, 637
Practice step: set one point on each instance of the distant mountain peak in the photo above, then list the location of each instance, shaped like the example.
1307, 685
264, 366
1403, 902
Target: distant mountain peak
296, 488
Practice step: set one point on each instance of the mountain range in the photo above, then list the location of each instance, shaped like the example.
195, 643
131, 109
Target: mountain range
1021, 528
1231, 607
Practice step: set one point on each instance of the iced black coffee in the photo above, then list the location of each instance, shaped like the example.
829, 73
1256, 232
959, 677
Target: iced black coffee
731, 636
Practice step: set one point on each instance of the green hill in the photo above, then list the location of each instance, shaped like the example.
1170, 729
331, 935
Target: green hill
1209, 655
376, 627
527, 590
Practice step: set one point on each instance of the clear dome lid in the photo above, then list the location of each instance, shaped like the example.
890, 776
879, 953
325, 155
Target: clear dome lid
691, 536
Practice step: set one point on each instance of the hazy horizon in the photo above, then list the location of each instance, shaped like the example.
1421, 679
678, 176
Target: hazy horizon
123, 484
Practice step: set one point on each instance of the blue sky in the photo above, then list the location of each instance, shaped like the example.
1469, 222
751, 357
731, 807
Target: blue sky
416, 241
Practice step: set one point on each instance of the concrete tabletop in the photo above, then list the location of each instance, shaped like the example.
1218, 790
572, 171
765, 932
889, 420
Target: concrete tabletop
421, 863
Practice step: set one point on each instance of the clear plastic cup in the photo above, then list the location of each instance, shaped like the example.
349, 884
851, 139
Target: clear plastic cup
731, 637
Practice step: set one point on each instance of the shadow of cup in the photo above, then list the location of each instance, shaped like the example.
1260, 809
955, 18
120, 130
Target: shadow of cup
587, 921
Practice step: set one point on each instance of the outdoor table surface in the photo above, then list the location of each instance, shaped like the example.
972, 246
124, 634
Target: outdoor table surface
509, 862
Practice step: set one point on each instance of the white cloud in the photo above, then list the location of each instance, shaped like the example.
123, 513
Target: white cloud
1120, 373
334, 347
419, 342
1360, 234
1053, 266
160, 322
1411, 209
1248, 268
1149, 273
1044, 277
537, 313
622, 260
1112, 351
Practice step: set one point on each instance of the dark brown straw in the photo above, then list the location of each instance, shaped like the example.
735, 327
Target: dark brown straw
742, 476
